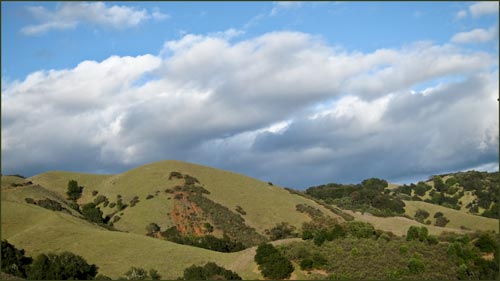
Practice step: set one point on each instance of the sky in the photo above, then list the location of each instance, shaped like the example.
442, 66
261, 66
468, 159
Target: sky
295, 93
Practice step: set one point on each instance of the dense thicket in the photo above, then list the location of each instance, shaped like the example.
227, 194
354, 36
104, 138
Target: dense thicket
272, 264
14, 261
210, 242
210, 271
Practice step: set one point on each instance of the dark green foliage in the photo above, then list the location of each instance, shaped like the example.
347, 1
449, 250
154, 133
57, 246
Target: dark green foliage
240, 210
112, 204
179, 196
421, 215
306, 264
119, 204
99, 199
272, 263
61, 267
451, 182
225, 245
438, 214
176, 175
92, 213
307, 235
154, 275
14, 261
152, 228
281, 231
208, 227
189, 180
486, 243
360, 229
116, 218
416, 265
149, 197
210, 271
270, 183
105, 204
493, 212
375, 183
94, 192
29, 200
432, 240
412, 233
441, 221
74, 206
50, 204
438, 184
320, 237
74, 191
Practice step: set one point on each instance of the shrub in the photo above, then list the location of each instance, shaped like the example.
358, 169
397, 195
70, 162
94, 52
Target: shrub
94, 192
208, 227
29, 200
116, 218
281, 231
189, 180
105, 204
61, 267
486, 243
360, 229
14, 261
307, 235
412, 233
416, 265
112, 204
50, 204
99, 199
240, 210
149, 197
432, 240
74, 191
210, 271
152, 228
74, 206
91, 213
421, 213
438, 214
403, 249
270, 183
272, 264
306, 264
441, 221
136, 273
176, 175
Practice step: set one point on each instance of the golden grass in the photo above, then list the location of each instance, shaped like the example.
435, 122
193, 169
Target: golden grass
457, 218
265, 205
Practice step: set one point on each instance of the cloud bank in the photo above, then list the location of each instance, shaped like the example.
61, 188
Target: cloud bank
283, 107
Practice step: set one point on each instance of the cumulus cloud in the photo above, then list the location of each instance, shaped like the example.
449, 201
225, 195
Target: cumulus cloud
483, 8
283, 106
69, 15
477, 35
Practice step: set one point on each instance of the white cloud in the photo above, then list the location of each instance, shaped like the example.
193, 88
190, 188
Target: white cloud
281, 6
239, 104
68, 15
461, 14
477, 35
483, 8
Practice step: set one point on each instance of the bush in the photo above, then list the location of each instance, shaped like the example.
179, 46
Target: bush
240, 210
50, 204
14, 261
112, 204
74, 191
208, 227
441, 221
403, 249
416, 265
189, 180
210, 271
29, 200
412, 233
306, 264
422, 214
272, 264
149, 197
116, 218
438, 214
99, 199
94, 192
281, 231
360, 229
432, 240
74, 206
61, 267
486, 243
152, 228
176, 175
91, 213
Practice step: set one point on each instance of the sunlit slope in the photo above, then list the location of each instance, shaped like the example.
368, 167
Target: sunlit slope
38, 230
265, 205
457, 218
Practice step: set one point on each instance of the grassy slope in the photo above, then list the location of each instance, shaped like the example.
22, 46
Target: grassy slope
398, 225
457, 218
265, 205
38, 230
8, 180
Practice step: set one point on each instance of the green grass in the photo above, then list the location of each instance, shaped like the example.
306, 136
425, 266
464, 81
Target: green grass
265, 205
457, 218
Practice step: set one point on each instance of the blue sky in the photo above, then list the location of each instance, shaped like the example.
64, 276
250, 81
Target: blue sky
337, 72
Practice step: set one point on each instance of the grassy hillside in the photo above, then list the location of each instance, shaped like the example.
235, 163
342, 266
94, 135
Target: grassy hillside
458, 219
265, 205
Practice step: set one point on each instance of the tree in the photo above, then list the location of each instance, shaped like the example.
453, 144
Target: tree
74, 191
210, 271
281, 231
412, 233
486, 243
272, 263
61, 267
263, 251
13, 260
91, 213
416, 265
